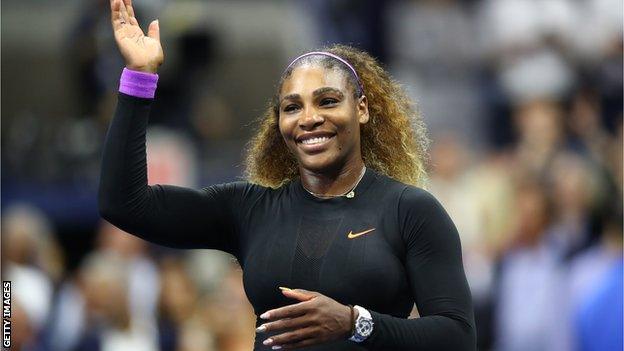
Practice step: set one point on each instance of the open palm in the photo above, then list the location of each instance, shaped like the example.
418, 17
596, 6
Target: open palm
141, 52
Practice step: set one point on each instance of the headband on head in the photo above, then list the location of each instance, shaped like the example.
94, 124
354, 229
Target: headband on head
329, 54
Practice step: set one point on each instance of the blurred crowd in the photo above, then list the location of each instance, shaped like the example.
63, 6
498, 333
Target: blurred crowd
523, 100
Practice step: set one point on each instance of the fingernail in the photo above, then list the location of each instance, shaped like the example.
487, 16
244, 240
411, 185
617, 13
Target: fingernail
276, 347
261, 329
265, 315
268, 341
284, 288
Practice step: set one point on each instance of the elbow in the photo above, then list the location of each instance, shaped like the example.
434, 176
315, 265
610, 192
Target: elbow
107, 209
111, 209
463, 331
467, 336
471, 338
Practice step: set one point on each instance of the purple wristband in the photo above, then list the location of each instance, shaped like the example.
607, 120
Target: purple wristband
138, 84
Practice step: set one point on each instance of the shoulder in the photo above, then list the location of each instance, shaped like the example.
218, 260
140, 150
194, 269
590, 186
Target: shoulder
415, 198
420, 215
409, 197
242, 192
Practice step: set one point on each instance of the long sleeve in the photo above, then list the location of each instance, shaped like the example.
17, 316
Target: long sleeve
437, 279
167, 215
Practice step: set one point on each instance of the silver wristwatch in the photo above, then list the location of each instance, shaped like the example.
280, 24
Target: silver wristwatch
363, 325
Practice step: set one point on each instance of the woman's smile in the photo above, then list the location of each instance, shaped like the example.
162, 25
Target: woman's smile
315, 142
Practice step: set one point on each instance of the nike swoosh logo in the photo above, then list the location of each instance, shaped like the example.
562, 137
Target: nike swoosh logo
352, 235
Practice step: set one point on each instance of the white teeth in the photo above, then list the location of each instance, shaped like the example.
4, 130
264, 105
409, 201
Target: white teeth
314, 140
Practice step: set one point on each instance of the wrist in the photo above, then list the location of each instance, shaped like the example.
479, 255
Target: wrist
138, 84
151, 69
350, 325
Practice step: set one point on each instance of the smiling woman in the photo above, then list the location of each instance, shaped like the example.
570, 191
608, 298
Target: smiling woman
392, 140
331, 207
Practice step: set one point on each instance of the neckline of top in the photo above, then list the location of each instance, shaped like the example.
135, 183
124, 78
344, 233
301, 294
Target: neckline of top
360, 189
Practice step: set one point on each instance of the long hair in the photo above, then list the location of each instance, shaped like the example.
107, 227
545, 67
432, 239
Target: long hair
394, 142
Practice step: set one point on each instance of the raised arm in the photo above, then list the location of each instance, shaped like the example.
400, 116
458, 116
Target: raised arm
167, 215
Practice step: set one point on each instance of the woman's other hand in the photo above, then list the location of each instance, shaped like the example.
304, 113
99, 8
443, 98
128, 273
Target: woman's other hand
314, 320
140, 52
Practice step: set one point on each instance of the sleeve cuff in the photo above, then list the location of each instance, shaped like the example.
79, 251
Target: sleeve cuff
138, 84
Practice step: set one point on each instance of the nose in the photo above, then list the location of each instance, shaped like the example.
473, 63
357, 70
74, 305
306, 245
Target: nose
310, 119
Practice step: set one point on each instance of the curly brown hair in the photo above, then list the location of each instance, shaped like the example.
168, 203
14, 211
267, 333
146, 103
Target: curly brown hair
394, 142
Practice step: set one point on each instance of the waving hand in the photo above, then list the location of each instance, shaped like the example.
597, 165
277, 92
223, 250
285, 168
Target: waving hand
140, 52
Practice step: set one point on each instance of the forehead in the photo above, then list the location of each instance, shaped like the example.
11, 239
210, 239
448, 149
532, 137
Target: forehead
307, 78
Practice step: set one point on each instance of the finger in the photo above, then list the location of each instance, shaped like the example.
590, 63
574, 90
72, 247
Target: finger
299, 294
154, 30
291, 337
282, 324
116, 18
129, 7
290, 311
123, 11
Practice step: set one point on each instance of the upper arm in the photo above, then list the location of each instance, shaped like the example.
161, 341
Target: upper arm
433, 258
186, 218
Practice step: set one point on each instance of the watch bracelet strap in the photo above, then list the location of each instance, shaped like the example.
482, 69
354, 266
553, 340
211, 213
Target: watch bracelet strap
352, 320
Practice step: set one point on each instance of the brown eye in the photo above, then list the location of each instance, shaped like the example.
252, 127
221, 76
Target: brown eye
291, 108
328, 101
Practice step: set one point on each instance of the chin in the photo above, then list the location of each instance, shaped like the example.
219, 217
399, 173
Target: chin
319, 163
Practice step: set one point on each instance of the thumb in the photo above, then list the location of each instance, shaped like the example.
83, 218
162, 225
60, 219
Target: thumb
154, 30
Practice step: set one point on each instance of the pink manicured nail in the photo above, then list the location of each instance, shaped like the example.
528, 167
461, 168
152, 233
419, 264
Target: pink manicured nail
268, 341
265, 315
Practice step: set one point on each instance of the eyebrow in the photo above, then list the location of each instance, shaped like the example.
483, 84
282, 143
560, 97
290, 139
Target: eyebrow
317, 92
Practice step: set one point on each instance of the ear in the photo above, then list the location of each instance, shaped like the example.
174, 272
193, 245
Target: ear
362, 109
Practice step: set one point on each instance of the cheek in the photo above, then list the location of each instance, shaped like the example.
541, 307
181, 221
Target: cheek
282, 127
286, 131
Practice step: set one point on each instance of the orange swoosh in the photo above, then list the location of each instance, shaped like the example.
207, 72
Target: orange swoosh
352, 235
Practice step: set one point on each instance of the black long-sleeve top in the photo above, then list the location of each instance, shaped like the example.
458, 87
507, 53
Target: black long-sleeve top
287, 237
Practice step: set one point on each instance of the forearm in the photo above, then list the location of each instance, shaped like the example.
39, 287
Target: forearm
123, 192
436, 332
123, 181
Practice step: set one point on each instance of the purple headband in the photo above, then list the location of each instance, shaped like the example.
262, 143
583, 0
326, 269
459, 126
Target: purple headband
324, 53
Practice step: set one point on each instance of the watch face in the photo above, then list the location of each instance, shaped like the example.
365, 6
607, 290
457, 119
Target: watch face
365, 327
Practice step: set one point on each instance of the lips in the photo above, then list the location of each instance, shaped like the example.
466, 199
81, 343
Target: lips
314, 142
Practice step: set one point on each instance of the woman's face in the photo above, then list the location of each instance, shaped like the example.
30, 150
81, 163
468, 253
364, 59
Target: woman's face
320, 119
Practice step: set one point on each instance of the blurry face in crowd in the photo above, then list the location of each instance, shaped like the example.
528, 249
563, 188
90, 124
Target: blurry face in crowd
319, 118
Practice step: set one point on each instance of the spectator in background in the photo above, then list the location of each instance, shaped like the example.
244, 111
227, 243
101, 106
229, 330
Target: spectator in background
597, 316
32, 261
143, 278
594, 300
80, 303
109, 321
180, 325
362, 24
540, 132
433, 48
530, 275
575, 190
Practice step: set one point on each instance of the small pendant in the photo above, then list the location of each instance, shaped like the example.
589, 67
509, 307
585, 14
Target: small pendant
351, 194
